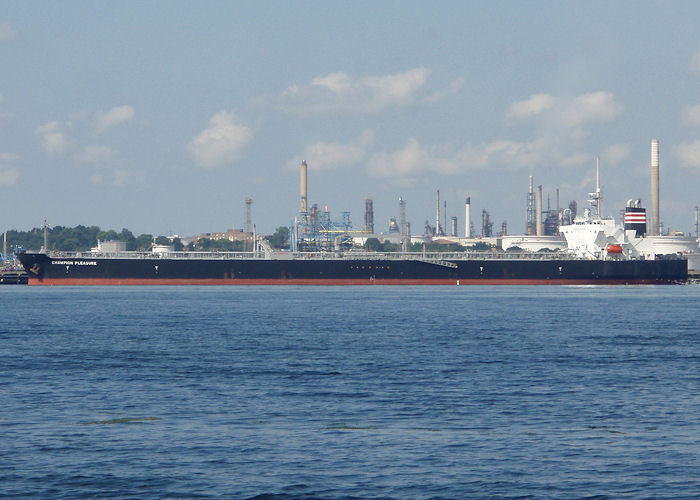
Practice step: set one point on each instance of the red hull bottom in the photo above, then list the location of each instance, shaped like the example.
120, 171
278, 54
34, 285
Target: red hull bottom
336, 282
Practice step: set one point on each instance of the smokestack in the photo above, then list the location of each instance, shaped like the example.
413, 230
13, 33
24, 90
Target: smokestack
304, 199
468, 218
655, 221
248, 219
540, 229
437, 215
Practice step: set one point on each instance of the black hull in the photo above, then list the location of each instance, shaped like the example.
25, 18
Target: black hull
45, 270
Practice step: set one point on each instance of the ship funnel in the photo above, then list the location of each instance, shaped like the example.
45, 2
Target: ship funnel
636, 217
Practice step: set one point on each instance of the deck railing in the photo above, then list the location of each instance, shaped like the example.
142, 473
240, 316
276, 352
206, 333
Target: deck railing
434, 257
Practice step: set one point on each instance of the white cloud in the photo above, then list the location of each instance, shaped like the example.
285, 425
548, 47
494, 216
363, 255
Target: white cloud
412, 159
121, 177
115, 116
533, 106
96, 155
454, 87
221, 142
53, 140
340, 92
8, 157
327, 155
688, 153
47, 128
615, 154
416, 160
9, 177
117, 177
691, 115
7, 32
559, 112
695, 62
594, 107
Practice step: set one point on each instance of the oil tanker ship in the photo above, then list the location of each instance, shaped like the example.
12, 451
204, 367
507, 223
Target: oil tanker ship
597, 251
335, 268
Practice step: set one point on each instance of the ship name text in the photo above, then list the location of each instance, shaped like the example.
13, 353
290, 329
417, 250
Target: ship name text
74, 262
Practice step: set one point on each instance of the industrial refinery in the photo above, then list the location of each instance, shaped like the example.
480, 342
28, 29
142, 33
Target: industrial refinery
560, 247
548, 226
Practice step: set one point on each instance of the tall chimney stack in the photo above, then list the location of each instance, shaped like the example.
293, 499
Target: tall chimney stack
468, 218
655, 221
437, 214
304, 206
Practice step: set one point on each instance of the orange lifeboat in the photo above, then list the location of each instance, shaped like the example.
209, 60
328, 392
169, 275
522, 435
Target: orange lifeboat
613, 249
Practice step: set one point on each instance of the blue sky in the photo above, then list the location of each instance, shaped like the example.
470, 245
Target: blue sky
164, 116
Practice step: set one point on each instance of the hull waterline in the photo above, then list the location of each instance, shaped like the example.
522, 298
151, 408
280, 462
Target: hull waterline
142, 269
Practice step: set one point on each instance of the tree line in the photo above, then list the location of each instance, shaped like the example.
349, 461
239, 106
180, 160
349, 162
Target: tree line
82, 238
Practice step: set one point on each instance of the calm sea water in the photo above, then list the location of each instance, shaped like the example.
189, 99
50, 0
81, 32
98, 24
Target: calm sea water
360, 392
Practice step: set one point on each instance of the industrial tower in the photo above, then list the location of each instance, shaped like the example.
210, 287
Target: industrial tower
369, 216
655, 220
531, 221
248, 219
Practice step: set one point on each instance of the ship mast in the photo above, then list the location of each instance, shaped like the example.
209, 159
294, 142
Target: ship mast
597, 186
595, 198
46, 237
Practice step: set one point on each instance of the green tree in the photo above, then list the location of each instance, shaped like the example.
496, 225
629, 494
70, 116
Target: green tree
127, 237
143, 242
280, 238
209, 245
391, 247
480, 245
110, 235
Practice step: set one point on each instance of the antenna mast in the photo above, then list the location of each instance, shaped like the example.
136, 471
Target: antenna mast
597, 185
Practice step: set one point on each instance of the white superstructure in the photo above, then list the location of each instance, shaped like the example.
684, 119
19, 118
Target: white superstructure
589, 237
